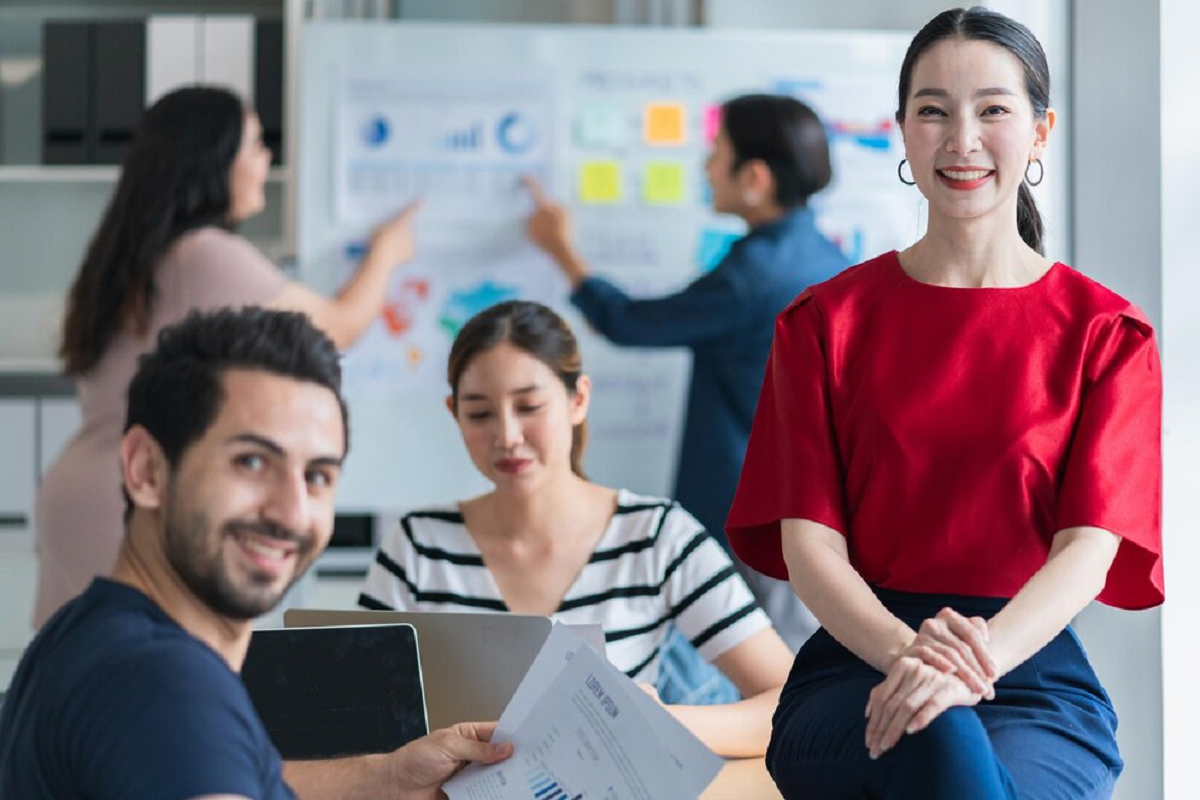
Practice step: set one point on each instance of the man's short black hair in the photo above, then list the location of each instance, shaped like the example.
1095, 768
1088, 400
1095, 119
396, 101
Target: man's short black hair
176, 393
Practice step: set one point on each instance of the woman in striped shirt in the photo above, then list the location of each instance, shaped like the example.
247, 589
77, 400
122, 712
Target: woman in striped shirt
547, 541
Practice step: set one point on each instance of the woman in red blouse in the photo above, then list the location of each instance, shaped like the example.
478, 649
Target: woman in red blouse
955, 450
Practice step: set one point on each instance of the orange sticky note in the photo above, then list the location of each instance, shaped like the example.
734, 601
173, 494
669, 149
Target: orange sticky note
666, 124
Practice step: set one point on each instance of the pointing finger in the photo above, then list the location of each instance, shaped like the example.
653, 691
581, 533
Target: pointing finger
534, 187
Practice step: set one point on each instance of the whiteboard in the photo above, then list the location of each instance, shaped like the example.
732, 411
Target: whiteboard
616, 122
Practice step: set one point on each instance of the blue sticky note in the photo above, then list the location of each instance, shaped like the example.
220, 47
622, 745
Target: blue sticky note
714, 244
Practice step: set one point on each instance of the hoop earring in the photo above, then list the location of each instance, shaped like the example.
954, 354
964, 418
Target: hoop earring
1041, 172
900, 173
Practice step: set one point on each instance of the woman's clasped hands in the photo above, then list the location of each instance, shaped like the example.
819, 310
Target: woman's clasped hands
947, 664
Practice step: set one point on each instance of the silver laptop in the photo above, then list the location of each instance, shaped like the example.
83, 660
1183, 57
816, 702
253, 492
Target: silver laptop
471, 663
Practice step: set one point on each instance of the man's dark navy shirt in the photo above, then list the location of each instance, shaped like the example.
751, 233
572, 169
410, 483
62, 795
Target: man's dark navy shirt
114, 700
727, 319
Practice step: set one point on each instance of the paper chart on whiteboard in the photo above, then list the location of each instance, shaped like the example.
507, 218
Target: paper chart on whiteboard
458, 142
405, 349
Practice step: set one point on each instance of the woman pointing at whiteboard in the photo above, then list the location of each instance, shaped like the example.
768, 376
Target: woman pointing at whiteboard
769, 157
166, 245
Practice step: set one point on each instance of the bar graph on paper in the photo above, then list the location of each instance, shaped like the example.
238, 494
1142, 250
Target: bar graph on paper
545, 764
544, 786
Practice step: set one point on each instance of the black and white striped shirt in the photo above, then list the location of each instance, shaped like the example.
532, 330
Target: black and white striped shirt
653, 565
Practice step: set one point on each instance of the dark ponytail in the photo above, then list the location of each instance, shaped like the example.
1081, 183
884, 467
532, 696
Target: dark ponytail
980, 24
1029, 219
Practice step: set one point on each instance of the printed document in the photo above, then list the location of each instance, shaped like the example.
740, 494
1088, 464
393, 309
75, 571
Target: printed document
583, 731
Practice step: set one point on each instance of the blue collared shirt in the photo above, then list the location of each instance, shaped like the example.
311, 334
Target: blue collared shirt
727, 319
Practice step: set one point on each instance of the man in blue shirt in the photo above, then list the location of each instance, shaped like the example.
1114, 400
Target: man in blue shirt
235, 436
769, 157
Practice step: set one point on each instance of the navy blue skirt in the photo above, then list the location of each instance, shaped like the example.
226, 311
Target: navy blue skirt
1049, 733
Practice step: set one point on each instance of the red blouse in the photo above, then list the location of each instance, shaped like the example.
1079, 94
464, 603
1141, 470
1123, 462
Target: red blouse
949, 433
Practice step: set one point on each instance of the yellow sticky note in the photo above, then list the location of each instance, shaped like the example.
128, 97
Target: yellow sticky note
600, 182
665, 124
662, 183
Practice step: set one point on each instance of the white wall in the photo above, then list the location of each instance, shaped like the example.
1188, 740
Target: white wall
1179, 63
846, 14
1118, 166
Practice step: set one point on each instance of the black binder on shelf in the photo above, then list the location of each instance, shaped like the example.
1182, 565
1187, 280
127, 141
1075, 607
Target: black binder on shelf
119, 69
268, 84
66, 92
94, 88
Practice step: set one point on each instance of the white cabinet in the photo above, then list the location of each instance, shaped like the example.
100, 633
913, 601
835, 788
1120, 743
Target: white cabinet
58, 420
18, 567
18, 470
32, 434
18, 584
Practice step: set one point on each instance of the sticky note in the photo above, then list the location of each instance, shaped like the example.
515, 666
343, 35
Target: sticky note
600, 182
662, 183
714, 245
600, 126
665, 124
712, 123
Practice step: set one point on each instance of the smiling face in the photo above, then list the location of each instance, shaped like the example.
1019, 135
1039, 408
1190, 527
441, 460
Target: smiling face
970, 130
248, 174
517, 418
249, 506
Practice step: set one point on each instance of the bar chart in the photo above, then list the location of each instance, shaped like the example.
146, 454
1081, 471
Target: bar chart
544, 786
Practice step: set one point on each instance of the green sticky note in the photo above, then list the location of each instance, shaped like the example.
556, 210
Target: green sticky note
600, 182
600, 126
662, 184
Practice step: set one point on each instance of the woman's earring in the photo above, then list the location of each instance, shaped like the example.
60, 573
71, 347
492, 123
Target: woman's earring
751, 198
900, 173
1041, 172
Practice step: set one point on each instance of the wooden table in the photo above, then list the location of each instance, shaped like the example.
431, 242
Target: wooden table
742, 779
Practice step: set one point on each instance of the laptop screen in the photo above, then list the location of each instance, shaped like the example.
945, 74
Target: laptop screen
328, 692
